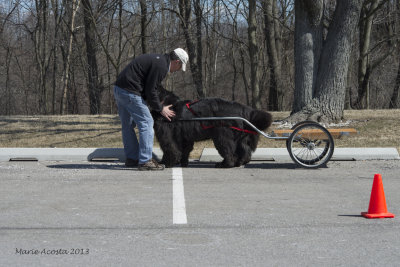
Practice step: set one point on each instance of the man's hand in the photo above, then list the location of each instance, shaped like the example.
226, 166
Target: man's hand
167, 112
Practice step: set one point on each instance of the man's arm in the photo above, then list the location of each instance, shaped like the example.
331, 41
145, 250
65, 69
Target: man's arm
153, 79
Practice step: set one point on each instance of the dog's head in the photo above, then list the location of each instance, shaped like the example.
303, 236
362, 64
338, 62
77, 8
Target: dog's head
166, 97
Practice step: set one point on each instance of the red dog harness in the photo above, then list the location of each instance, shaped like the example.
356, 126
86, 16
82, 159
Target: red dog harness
205, 127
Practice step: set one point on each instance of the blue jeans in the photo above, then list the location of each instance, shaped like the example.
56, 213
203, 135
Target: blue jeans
133, 111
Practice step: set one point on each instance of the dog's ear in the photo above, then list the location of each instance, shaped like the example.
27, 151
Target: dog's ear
166, 97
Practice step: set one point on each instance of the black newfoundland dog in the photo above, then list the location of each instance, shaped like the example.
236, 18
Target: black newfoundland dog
234, 140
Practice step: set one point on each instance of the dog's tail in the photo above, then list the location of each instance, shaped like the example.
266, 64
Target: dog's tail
261, 119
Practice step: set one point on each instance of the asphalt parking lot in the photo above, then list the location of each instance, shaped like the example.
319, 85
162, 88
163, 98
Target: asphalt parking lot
75, 213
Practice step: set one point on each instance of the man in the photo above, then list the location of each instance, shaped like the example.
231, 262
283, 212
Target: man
134, 90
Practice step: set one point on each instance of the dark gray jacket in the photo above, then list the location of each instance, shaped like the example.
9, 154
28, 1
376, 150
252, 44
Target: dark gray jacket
143, 75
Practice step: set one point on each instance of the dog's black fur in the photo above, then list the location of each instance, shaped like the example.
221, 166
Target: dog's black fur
177, 138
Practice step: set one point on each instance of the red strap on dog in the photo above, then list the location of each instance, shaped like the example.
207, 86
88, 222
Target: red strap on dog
195, 114
205, 127
189, 108
243, 130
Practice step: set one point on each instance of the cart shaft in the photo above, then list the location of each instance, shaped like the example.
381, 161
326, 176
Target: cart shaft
237, 118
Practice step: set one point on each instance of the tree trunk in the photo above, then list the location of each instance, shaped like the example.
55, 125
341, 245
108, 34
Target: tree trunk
233, 96
199, 46
394, 100
307, 50
244, 77
57, 21
366, 19
65, 78
185, 16
212, 47
41, 53
8, 89
234, 54
274, 61
143, 25
329, 83
94, 87
253, 53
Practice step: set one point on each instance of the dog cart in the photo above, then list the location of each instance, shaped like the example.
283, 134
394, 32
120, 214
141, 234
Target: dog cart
309, 144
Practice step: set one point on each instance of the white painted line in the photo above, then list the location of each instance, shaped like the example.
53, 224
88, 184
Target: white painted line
179, 206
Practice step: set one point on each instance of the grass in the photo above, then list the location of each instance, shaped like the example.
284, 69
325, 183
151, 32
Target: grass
376, 128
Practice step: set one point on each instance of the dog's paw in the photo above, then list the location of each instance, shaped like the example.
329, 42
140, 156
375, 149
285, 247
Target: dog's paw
184, 162
170, 165
223, 165
167, 164
241, 164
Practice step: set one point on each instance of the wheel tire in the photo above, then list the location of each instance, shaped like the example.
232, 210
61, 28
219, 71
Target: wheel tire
310, 145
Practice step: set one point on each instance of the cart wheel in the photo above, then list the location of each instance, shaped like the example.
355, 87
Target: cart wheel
310, 145
297, 125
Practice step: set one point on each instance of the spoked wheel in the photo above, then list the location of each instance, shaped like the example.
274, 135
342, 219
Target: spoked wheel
297, 125
310, 145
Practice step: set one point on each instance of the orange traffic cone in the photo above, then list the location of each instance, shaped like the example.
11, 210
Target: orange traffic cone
377, 203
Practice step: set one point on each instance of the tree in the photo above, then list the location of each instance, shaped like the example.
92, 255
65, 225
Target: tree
274, 54
143, 25
365, 64
366, 18
6, 45
185, 10
321, 65
95, 88
66, 75
394, 99
40, 39
213, 44
117, 41
253, 53
58, 13
236, 48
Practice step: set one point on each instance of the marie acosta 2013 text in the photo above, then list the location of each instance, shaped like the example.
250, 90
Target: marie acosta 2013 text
46, 251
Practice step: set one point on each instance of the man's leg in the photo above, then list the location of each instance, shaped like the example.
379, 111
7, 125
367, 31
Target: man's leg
131, 145
142, 117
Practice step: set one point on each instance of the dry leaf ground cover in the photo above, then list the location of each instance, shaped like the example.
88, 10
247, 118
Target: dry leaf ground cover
376, 128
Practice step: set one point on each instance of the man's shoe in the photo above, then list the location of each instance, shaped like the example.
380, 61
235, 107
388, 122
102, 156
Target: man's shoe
151, 165
131, 163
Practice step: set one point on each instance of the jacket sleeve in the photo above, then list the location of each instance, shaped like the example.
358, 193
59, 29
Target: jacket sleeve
154, 78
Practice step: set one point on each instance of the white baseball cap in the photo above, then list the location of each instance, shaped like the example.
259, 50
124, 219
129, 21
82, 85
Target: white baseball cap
183, 57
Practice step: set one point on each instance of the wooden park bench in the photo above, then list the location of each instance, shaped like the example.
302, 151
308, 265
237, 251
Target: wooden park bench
336, 133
